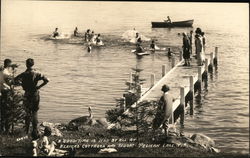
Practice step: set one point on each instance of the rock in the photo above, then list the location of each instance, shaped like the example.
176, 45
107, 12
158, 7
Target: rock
215, 150
102, 122
107, 150
54, 128
203, 140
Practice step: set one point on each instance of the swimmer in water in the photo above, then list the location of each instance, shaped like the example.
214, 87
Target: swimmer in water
76, 31
55, 33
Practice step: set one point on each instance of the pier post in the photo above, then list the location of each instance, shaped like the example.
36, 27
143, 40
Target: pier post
173, 61
182, 104
210, 67
206, 73
216, 57
130, 80
164, 70
200, 79
180, 56
191, 102
152, 80
140, 90
124, 104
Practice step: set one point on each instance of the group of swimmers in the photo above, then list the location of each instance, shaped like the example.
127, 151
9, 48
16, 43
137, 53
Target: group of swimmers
88, 36
152, 47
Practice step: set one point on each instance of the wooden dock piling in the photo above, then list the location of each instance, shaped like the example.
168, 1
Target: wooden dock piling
199, 79
206, 73
173, 61
182, 104
130, 80
191, 101
124, 103
210, 67
216, 57
152, 80
164, 70
180, 57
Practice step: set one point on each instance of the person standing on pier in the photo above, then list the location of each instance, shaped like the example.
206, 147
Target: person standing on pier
191, 39
186, 49
29, 80
199, 47
203, 40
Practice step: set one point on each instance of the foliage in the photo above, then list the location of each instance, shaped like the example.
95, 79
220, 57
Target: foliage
141, 114
15, 109
13, 105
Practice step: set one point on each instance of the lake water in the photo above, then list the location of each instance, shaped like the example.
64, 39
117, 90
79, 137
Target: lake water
79, 79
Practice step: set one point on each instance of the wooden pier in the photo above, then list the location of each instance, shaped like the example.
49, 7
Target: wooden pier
183, 81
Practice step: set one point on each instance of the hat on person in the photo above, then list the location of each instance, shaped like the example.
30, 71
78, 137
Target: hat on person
165, 88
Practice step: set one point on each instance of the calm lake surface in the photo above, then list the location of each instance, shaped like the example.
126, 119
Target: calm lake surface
79, 79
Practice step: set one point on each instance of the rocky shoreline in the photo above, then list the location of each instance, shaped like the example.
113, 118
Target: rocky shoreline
77, 142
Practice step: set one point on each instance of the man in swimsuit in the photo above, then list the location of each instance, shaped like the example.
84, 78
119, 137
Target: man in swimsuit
29, 82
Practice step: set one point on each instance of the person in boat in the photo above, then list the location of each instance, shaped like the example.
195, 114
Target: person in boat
139, 48
55, 33
76, 32
98, 38
169, 52
152, 45
87, 35
186, 47
168, 20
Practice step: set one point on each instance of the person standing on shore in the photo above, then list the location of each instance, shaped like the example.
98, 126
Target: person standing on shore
186, 47
29, 80
167, 102
6, 76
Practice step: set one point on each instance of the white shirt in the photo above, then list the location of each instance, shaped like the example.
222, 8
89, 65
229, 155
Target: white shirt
4, 75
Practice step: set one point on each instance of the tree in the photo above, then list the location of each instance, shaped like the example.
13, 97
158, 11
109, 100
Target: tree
137, 114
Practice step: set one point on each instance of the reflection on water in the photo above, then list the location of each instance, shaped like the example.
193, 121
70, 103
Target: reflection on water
80, 79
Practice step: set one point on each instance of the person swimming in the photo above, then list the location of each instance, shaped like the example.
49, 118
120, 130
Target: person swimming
55, 33
138, 38
139, 48
152, 45
76, 31
87, 35
169, 52
92, 36
98, 38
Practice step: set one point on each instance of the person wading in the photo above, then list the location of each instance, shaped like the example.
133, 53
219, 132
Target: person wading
29, 80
